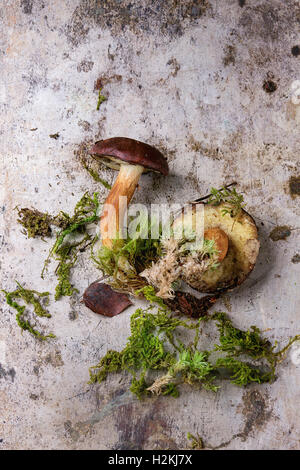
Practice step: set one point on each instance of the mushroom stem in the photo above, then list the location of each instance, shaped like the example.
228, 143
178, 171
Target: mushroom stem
111, 221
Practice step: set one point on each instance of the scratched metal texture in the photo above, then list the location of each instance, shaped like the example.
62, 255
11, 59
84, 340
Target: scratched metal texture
213, 84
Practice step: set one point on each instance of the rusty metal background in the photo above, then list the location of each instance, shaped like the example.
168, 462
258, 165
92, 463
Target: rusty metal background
214, 85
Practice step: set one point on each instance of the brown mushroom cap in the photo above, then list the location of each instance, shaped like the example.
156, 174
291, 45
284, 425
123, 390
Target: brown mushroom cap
131, 151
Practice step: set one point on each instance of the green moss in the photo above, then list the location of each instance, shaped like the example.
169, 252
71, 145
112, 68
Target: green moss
155, 345
233, 200
101, 99
35, 223
196, 442
38, 224
67, 246
94, 174
30, 297
127, 258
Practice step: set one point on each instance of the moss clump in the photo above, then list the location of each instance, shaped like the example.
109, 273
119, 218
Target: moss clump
38, 224
128, 258
30, 297
67, 246
155, 346
234, 202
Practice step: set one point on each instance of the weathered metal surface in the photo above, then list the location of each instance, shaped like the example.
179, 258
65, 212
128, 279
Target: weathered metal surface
213, 84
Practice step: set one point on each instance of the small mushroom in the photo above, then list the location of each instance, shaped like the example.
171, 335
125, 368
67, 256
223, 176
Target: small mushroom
102, 299
131, 158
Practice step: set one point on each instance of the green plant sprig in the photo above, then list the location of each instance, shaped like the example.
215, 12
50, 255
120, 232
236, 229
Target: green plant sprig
29, 297
234, 202
101, 99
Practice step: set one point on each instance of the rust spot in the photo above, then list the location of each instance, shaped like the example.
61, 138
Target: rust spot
280, 233
269, 86
294, 184
105, 79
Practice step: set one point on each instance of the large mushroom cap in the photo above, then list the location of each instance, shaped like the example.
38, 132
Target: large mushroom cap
130, 151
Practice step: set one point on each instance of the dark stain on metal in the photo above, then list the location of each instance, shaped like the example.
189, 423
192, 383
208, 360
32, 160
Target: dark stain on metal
85, 66
294, 184
139, 17
256, 412
269, 86
71, 432
295, 51
266, 21
280, 233
26, 6
142, 427
7, 373
296, 258
230, 53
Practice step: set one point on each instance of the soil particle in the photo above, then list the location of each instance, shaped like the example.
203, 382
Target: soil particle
294, 184
269, 86
242, 3
280, 233
295, 51
190, 306
296, 258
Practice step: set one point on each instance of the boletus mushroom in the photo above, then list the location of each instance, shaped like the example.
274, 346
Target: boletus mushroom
236, 240
213, 261
131, 158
